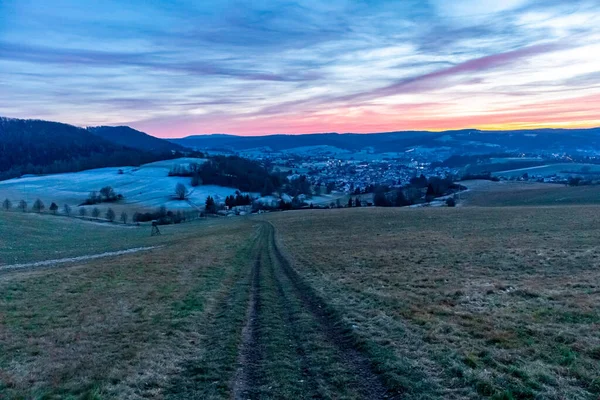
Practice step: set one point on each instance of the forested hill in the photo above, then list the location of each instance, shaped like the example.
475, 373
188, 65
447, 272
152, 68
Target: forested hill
126, 136
43, 147
466, 141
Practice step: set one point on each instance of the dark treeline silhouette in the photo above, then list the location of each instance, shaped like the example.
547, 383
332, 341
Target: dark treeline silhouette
238, 200
162, 216
106, 195
243, 174
42, 147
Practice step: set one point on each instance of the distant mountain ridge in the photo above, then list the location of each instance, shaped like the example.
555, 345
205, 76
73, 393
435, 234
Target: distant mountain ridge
42, 147
129, 137
457, 141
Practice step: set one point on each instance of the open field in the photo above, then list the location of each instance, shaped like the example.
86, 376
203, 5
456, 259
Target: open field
368, 303
145, 187
564, 170
29, 237
462, 303
509, 193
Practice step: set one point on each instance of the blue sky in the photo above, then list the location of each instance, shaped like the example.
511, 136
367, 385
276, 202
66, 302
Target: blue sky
174, 68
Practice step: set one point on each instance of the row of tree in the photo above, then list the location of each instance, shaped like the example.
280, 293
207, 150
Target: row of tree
39, 206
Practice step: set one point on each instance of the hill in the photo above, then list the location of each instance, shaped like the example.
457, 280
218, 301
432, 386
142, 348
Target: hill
430, 303
129, 137
43, 147
483, 193
468, 141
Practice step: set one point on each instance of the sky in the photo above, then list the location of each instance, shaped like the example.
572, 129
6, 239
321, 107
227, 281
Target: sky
176, 68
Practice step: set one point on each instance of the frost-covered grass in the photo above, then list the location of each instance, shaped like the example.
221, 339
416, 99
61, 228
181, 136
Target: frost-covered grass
30, 237
558, 169
461, 303
145, 187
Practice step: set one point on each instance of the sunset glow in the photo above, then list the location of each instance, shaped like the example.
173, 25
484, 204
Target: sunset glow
266, 67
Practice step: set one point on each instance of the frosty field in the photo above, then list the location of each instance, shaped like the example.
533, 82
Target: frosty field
145, 187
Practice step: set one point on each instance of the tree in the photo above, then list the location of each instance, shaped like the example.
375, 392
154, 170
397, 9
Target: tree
108, 193
419, 182
430, 194
380, 199
95, 212
22, 205
317, 190
82, 211
67, 210
400, 200
180, 191
268, 188
53, 208
124, 217
93, 198
329, 188
110, 215
451, 202
6, 204
210, 204
357, 202
350, 202
38, 206
196, 180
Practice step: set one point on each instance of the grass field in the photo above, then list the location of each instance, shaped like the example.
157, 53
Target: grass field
28, 237
443, 303
565, 170
144, 188
508, 193
462, 303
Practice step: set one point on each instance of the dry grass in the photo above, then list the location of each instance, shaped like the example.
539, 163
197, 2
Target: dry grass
462, 303
120, 327
511, 193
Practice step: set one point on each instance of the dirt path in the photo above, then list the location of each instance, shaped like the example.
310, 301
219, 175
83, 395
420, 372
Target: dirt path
46, 263
293, 344
247, 378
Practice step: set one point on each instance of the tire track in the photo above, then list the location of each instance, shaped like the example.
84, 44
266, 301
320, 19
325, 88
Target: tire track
367, 382
291, 321
248, 378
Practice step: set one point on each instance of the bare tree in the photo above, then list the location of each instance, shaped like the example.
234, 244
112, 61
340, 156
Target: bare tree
110, 215
53, 208
22, 205
67, 210
38, 206
180, 191
124, 217
95, 213
6, 204
82, 211
108, 193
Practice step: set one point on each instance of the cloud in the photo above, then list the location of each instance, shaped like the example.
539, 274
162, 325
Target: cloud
177, 68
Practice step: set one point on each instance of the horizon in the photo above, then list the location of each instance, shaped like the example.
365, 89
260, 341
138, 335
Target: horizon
302, 67
314, 133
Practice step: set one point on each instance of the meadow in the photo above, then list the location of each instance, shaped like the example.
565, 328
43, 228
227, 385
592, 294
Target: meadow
144, 188
465, 302
564, 170
378, 303
513, 193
